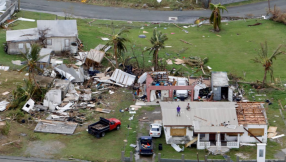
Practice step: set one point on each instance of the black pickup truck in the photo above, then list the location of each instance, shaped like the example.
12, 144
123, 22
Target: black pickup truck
145, 145
99, 128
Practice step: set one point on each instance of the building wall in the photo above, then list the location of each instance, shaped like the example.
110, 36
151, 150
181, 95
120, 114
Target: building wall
245, 138
177, 140
58, 43
13, 47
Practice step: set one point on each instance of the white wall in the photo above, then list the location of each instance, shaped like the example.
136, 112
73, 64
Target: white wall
245, 138
58, 43
177, 140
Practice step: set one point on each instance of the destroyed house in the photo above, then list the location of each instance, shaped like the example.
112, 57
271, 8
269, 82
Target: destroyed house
61, 35
206, 124
252, 116
45, 58
19, 41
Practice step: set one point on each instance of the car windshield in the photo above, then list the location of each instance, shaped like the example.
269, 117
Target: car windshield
145, 141
155, 129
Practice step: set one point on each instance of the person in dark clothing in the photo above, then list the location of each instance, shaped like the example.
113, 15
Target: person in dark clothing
188, 106
178, 111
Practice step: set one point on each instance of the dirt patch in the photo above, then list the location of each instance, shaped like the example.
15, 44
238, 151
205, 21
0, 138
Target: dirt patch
45, 150
242, 155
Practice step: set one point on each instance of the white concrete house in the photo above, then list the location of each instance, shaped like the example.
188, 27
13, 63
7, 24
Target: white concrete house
61, 34
207, 124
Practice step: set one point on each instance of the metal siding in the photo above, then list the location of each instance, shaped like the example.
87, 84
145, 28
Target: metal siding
217, 93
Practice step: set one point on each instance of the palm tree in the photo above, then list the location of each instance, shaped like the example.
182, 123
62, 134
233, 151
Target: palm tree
157, 40
32, 57
215, 17
266, 61
117, 40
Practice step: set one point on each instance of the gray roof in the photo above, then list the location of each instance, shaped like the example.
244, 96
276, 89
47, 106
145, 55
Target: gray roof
219, 79
46, 52
58, 28
77, 74
95, 55
204, 116
22, 35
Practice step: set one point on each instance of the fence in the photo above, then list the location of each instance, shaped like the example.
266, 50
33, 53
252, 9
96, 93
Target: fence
8, 13
159, 159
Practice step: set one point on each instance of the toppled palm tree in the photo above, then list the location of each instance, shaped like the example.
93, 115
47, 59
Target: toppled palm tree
157, 40
267, 61
118, 42
215, 17
199, 63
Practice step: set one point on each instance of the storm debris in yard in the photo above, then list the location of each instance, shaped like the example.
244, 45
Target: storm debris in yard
55, 127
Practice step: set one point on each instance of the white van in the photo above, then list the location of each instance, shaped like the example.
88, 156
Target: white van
182, 94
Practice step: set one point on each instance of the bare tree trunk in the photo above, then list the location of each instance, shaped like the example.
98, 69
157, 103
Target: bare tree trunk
264, 79
135, 56
203, 70
115, 52
143, 60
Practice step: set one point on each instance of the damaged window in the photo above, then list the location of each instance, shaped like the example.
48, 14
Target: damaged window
21, 45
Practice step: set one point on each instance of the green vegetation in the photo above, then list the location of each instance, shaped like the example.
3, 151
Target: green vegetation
231, 51
267, 61
215, 17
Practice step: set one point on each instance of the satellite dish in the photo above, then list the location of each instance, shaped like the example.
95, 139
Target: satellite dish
159, 1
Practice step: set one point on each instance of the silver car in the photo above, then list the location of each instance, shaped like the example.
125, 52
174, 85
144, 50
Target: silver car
155, 130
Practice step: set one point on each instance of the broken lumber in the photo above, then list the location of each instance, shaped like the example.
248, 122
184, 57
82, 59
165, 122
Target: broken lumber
185, 42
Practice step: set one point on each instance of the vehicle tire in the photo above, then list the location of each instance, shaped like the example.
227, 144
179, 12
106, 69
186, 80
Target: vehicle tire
118, 127
102, 134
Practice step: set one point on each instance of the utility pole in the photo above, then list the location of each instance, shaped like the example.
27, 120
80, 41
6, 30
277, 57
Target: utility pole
269, 5
18, 5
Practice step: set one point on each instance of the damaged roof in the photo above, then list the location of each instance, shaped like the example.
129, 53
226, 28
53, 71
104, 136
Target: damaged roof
45, 54
219, 79
58, 28
203, 116
95, 55
22, 35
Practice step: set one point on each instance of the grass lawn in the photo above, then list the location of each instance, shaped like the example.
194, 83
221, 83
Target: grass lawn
230, 50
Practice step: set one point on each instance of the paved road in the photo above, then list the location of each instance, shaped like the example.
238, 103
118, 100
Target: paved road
114, 13
23, 159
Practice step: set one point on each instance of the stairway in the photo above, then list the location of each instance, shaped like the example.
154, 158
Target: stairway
191, 142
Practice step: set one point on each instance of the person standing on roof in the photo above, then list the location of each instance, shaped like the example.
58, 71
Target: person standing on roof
188, 106
178, 111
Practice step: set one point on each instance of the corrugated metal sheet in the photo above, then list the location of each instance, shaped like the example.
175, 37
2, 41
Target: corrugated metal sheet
77, 75
95, 55
22, 35
120, 77
207, 116
219, 79
45, 53
58, 28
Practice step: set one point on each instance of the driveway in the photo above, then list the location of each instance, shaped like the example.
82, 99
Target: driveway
114, 13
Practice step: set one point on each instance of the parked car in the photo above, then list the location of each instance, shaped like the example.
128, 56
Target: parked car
182, 94
156, 129
99, 128
145, 145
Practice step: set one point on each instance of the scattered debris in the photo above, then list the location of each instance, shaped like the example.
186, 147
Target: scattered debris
282, 135
5, 68
145, 32
177, 147
29, 105
105, 39
185, 42
5, 93
169, 62
3, 105
255, 24
17, 62
46, 126
107, 111
142, 36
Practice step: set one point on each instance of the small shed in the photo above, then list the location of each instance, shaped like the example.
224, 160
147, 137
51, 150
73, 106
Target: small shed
220, 86
45, 60
61, 34
18, 41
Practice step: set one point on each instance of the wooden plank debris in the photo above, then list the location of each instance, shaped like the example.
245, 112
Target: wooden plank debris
185, 41
107, 111
282, 135
45, 126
